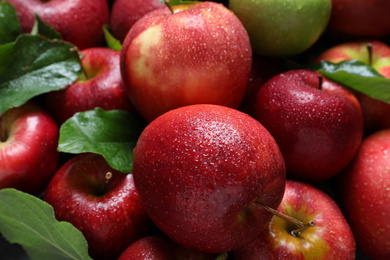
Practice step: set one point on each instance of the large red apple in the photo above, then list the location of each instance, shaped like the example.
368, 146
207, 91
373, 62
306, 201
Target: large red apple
101, 86
78, 21
161, 247
317, 124
199, 169
330, 237
201, 53
125, 13
28, 148
101, 202
360, 18
365, 195
376, 54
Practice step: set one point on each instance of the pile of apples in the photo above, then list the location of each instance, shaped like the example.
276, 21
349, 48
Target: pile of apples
263, 130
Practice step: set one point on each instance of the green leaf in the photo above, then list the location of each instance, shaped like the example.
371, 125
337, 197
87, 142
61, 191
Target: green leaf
358, 76
112, 134
30, 222
111, 41
43, 29
9, 23
33, 65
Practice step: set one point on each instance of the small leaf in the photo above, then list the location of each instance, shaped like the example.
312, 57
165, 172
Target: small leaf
111, 41
30, 222
9, 23
43, 29
112, 134
358, 76
33, 65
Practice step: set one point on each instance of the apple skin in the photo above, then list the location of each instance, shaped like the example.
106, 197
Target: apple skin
359, 19
199, 55
161, 247
125, 13
330, 238
282, 28
375, 112
364, 195
224, 161
102, 87
108, 213
28, 148
318, 130
78, 21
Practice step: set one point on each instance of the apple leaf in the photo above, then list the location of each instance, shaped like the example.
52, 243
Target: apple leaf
111, 41
358, 76
30, 222
33, 65
9, 23
43, 29
112, 134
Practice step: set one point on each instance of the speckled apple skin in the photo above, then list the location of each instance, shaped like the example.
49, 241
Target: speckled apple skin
365, 195
375, 112
79, 21
198, 169
330, 238
318, 130
111, 220
28, 155
201, 55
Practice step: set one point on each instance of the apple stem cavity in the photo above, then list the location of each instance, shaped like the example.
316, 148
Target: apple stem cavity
3, 134
176, 6
369, 49
299, 224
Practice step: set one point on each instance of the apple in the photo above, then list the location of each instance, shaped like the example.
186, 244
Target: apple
99, 201
364, 195
100, 86
125, 13
161, 247
376, 54
28, 148
282, 28
359, 19
330, 237
78, 21
199, 169
198, 54
317, 123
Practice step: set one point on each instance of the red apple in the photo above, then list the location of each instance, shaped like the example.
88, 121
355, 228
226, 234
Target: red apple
199, 169
125, 13
201, 53
330, 237
101, 202
373, 53
79, 21
360, 18
28, 148
161, 247
101, 86
365, 195
318, 126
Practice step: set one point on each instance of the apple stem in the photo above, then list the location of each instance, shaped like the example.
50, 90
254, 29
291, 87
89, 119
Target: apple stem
320, 80
369, 49
299, 224
108, 176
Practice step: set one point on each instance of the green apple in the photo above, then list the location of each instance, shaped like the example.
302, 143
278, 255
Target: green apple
281, 27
